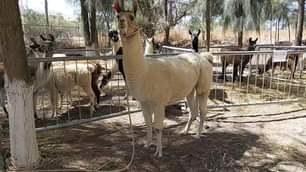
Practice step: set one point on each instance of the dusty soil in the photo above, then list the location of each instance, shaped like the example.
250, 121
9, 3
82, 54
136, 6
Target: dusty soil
257, 138
253, 138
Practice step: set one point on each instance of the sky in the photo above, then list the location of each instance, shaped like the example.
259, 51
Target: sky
69, 11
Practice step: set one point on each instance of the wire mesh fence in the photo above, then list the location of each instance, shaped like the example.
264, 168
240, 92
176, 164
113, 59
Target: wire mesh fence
257, 85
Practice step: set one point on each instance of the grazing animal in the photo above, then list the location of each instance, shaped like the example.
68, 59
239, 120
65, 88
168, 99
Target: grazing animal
195, 40
65, 78
117, 50
39, 72
237, 60
157, 82
291, 63
62, 78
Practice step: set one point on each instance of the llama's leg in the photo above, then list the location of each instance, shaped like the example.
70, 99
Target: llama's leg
296, 59
5, 110
193, 111
91, 95
224, 66
235, 72
159, 115
53, 99
202, 100
34, 104
147, 114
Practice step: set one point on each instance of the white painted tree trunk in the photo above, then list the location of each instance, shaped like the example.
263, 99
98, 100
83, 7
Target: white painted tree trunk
23, 142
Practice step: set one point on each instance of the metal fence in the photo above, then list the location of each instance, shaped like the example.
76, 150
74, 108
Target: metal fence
251, 88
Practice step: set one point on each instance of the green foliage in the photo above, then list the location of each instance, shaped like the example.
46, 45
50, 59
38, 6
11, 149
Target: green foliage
246, 14
31, 17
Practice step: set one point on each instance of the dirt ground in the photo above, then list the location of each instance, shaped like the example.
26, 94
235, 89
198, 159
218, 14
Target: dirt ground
248, 138
257, 138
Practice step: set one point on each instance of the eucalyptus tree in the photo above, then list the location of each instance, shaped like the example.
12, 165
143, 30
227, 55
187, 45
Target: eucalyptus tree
173, 13
199, 16
46, 12
149, 16
280, 15
300, 24
88, 18
244, 14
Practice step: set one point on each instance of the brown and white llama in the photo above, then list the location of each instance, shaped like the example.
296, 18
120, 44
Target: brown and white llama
157, 82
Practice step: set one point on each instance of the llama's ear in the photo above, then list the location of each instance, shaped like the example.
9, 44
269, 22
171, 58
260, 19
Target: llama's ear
116, 6
42, 37
135, 7
256, 40
199, 31
110, 34
190, 33
250, 39
51, 37
33, 41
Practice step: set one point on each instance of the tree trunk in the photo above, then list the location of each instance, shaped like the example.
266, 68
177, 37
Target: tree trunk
271, 30
299, 35
23, 143
289, 34
93, 25
240, 38
167, 27
278, 23
46, 13
108, 29
167, 35
208, 20
84, 18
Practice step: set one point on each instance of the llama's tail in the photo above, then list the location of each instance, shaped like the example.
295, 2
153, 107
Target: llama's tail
208, 56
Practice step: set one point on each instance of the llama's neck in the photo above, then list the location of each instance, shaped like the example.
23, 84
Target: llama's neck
133, 61
149, 48
116, 46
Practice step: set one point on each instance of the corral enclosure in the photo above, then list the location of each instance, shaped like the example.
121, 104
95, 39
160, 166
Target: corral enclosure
254, 123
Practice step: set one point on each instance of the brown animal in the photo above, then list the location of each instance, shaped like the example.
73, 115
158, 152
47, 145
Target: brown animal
291, 63
237, 60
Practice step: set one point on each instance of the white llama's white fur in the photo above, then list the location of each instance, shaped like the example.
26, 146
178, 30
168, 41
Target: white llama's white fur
149, 49
157, 82
65, 78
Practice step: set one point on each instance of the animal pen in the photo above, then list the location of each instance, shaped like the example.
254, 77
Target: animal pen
252, 89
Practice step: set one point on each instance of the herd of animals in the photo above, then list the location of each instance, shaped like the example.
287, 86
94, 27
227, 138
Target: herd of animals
154, 82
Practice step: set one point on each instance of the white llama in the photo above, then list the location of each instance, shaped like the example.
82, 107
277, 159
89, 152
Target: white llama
157, 82
149, 47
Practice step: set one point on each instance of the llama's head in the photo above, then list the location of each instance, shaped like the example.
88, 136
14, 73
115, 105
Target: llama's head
38, 50
252, 44
195, 39
47, 44
150, 40
113, 35
126, 14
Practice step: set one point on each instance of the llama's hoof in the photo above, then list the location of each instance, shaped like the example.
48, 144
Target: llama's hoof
183, 132
158, 154
148, 144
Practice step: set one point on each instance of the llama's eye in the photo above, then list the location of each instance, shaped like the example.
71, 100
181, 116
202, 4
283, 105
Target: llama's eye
131, 17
